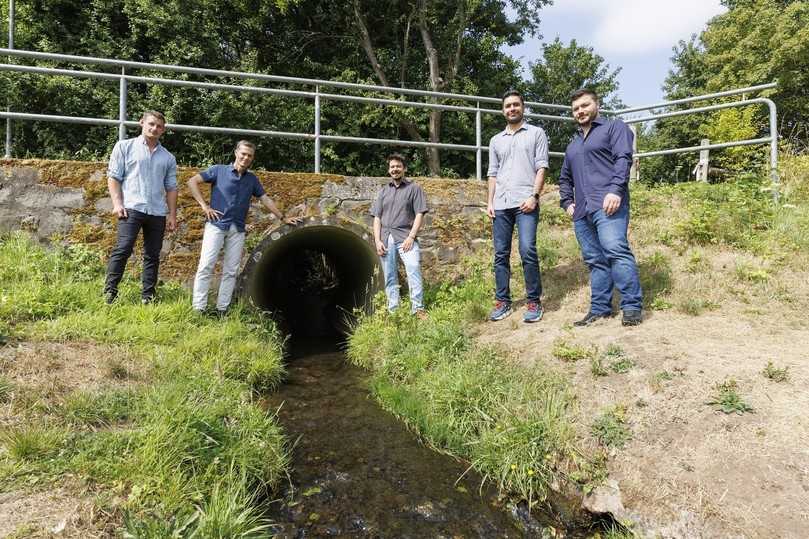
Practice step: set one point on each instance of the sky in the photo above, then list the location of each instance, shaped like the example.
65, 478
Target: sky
635, 35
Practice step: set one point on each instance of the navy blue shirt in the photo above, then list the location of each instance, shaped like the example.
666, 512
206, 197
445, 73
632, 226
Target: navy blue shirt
596, 166
231, 194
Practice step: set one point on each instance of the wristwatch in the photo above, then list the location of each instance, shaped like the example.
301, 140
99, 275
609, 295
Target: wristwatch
536, 196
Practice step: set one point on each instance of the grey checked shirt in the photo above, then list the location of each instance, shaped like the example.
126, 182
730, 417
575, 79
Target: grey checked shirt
397, 207
514, 160
145, 176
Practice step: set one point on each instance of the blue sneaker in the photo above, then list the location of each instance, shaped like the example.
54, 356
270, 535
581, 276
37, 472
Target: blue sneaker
501, 310
533, 312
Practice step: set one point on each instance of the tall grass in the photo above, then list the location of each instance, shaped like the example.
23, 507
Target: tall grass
511, 423
188, 448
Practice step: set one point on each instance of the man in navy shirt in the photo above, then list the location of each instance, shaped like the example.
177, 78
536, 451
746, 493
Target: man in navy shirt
232, 187
594, 191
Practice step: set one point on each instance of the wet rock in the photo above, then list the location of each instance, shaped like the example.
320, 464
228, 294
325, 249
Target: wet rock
428, 512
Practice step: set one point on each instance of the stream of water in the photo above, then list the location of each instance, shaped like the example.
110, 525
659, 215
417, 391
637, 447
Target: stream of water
358, 472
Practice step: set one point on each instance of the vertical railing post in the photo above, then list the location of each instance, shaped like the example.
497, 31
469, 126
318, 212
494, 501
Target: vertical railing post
10, 46
122, 106
776, 181
704, 162
317, 129
478, 141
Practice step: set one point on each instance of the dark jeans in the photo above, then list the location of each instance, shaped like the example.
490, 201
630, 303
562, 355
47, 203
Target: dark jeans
606, 252
154, 228
503, 229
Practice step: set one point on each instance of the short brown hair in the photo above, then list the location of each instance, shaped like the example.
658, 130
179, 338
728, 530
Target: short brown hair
397, 157
154, 114
512, 93
583, 92
245, 143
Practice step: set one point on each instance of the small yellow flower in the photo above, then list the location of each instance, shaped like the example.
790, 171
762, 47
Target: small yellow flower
513, 466
530, 471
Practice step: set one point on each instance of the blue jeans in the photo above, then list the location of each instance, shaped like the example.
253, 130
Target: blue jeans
606, 252
503, 229
412, 263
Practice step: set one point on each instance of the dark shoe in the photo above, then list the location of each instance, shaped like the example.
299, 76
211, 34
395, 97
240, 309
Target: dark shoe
110, 297
592, 317
533, 312
501, 310
147, 300
632, 318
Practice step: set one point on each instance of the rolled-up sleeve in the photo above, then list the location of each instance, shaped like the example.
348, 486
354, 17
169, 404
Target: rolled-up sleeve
116, 167
541, 150
494, 160
419, 201
621, 139
170, 179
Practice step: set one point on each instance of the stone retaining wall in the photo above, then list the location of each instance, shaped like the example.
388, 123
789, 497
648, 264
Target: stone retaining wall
68, 200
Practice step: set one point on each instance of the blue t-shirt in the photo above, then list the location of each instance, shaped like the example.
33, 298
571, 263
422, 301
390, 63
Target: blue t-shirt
231, 194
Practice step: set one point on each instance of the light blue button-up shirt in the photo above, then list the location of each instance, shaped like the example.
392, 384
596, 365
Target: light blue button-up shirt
145, 175
514, 159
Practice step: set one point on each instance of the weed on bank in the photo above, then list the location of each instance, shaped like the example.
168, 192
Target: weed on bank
183, 446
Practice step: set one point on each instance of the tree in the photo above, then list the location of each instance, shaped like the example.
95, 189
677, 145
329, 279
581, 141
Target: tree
564, 69
436, 33
754, 42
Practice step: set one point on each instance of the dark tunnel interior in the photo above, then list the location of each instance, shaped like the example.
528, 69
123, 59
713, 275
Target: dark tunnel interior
313, 278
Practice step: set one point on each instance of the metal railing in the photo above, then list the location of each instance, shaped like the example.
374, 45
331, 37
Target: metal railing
317, 95
125, 77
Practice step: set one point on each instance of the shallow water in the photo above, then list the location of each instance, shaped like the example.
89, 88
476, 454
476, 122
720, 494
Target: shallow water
359, 472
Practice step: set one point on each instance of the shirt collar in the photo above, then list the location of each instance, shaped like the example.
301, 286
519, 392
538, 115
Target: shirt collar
142, 140
233, 169
506, 133
404, 182
598, 120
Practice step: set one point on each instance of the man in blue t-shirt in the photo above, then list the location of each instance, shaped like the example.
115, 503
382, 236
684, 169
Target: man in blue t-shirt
232, 188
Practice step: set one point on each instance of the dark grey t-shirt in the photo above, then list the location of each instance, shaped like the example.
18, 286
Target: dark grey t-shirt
397, 207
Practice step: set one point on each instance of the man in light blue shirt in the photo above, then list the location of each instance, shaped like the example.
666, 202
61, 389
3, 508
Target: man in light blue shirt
142, 181
518, 160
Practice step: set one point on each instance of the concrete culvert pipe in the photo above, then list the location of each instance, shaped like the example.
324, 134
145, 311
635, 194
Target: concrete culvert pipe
314, 275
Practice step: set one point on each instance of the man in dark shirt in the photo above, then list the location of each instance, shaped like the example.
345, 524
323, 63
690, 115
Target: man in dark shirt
232, 188
594, 191
398, 213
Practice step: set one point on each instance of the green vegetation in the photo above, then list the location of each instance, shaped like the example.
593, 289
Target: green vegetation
727, 399
177, 433
565, 350
513, 424
774, 373
610, 428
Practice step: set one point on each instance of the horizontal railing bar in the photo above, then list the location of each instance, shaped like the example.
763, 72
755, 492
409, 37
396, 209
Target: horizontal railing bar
666, 104
259, 89
237, 131
707, 108
748, 142
261, 76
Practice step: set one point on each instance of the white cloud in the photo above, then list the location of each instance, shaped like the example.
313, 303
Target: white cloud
636, 27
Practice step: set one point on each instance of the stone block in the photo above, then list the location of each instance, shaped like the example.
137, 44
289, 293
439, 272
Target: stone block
354, 188
6, 193
24, 176
67, 198
54, 222
35, 198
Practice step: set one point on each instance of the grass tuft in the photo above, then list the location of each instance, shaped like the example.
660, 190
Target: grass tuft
32, 442
726, 398
566, 351
774, 373
610, 428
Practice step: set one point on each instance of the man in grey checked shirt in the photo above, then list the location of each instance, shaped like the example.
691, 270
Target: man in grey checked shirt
518, 161
142, 180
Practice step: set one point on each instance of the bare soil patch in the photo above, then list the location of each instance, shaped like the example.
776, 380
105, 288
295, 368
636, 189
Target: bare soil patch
51, 513
690, 470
